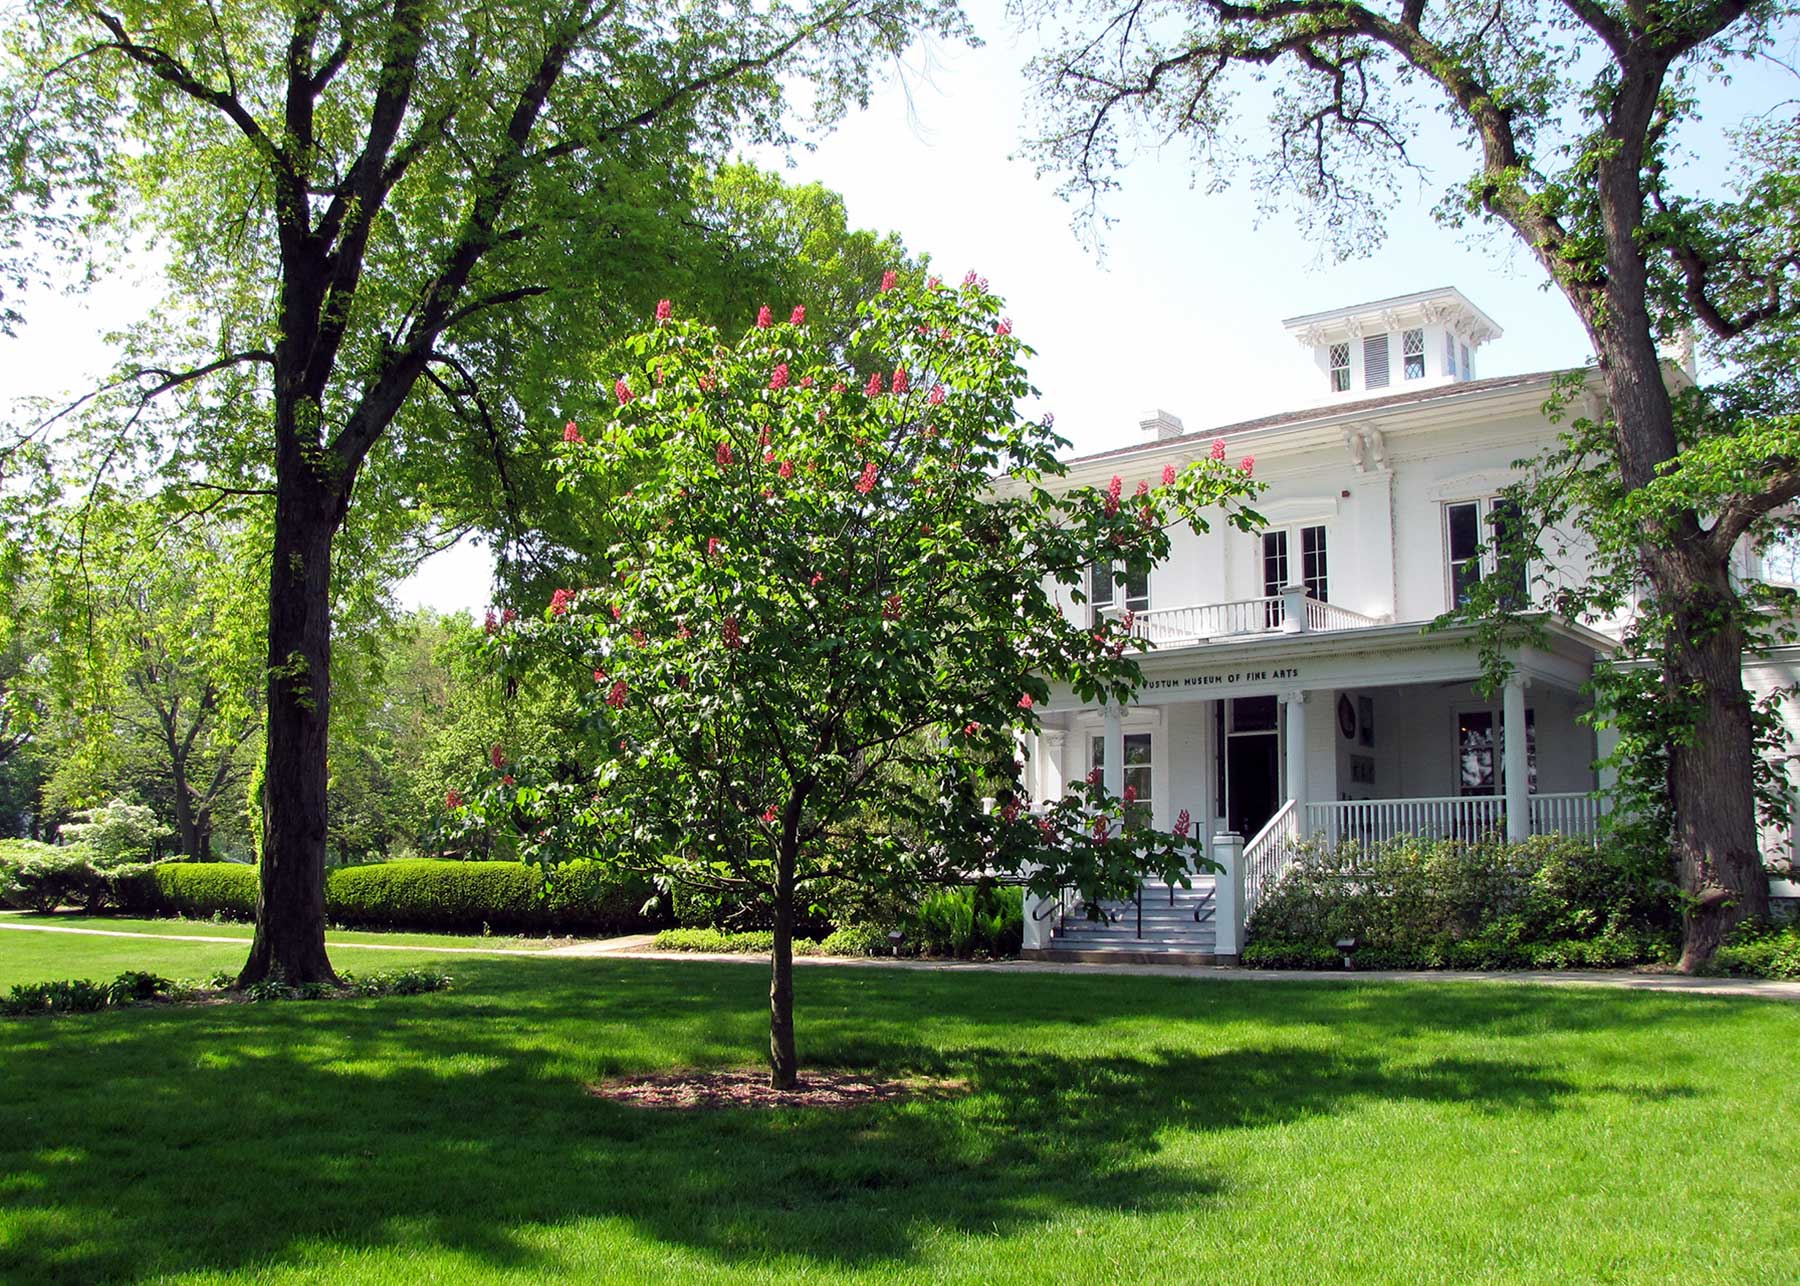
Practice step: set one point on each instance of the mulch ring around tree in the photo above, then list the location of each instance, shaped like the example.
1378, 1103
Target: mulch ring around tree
745, 1087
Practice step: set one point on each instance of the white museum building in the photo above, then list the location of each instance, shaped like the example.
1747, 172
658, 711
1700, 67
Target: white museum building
1290, 688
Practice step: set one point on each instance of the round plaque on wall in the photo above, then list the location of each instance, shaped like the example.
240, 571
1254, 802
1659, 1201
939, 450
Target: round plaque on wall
1346, 710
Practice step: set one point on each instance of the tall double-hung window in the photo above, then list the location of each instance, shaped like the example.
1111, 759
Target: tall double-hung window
1375, 361
1479, 542
1106, 593
1280, 549
1137, 772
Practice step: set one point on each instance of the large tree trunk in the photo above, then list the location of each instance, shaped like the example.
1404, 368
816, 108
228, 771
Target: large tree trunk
290, 906
187, 830
784, 1066
1711, 773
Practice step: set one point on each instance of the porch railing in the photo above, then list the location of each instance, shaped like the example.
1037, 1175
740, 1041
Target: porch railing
1291, 613
1374, 821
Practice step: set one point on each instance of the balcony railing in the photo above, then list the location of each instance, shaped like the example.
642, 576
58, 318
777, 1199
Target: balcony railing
1292, 612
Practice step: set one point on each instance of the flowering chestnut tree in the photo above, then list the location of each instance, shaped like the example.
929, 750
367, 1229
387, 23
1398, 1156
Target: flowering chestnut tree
833, 610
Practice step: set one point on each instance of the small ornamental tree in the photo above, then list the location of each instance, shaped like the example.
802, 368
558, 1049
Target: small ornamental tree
834, 610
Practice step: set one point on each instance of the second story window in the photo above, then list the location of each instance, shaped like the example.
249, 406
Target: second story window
1106, 594
1340, 368
1375, 361
1466, 368
1278, 568
1412, 349
1477, 539
1449, 355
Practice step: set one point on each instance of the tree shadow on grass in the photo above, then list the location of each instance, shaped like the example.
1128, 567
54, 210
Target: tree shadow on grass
222, 1139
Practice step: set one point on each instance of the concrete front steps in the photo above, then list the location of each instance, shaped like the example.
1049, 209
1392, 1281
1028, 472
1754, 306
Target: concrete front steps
1170, 932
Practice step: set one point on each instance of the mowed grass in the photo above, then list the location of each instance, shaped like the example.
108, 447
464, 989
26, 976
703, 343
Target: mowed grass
1114, 1128
236, 929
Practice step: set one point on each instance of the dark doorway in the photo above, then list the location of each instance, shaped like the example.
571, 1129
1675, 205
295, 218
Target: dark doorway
1250, 774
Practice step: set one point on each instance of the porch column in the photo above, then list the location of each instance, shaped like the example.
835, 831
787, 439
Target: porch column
1295, 705
1050, 766
1513, 762
1112, 774
1293, 609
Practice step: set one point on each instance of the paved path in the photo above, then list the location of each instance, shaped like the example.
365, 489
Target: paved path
636, 946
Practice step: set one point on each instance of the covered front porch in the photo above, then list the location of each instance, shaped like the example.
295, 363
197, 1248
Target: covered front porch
1363, 734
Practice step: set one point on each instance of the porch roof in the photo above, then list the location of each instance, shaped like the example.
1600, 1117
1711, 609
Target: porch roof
1372, 656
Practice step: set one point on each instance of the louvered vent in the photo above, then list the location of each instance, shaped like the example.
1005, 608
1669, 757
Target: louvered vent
1375, 361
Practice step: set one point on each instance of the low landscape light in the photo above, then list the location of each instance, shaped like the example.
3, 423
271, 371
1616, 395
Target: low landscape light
1347, 947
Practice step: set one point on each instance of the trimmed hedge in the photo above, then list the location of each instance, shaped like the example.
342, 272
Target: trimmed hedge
418, 893
198, 890
427, 894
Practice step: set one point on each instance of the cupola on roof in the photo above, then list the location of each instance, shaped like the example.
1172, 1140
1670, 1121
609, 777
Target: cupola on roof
1419, 340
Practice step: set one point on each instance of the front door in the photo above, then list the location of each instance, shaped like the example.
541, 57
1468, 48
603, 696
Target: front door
1251, 767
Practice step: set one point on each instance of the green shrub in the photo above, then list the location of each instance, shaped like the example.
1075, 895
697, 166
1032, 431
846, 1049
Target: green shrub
1291, 955
117, 832
42, 877
754, 942
591, 896
425, 893
857, 940
206, 890
1761, 951
1551, 902
977, 919
76, 996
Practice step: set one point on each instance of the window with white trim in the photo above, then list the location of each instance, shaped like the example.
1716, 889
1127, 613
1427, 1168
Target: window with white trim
1478, 539
1137, 775
1113, 585
1466, 368
1278, 568
1375, 361
1340, 368
1449, 355
1412, 353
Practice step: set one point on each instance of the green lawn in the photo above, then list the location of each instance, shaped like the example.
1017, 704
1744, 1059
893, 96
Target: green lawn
233, 929
1117, 1128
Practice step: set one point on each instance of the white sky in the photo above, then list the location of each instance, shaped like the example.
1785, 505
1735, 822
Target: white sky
1183, 312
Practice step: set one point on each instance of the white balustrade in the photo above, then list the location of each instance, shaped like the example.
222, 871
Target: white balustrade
1177, 626
1467, 817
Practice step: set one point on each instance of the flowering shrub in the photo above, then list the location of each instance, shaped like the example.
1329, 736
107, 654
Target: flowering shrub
834, 605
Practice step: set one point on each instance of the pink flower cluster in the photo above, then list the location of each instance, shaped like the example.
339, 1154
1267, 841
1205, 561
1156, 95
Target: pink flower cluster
1011, 812
889, 280
778, 378
571, 433
1183, 823
662, 311
786, 470
1168, 475
723, 454
1114, 490
1218, 448
1004, 327
936, 396
873, 387
798, 316
616, 699
901, 382
1025, 701
622, 391
729, 630
497, 756
560, 600
453, 799
764, 318
1248, 464
866, 483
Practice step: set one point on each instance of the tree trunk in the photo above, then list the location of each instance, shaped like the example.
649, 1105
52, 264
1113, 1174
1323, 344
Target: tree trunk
290, 906
1712, 777
784, 1066
1712, 773
187, 831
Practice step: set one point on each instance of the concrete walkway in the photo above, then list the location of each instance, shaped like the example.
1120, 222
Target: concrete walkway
636, 946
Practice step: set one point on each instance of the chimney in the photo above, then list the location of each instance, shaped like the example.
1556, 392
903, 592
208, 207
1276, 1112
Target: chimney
1165, 424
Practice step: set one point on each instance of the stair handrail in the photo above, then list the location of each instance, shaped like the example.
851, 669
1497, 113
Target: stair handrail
1268, 853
